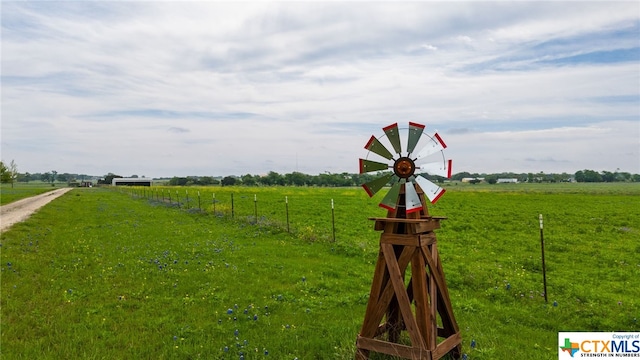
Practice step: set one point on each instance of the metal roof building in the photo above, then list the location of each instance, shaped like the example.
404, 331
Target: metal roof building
132, 182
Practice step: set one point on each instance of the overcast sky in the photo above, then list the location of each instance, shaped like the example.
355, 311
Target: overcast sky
209, 88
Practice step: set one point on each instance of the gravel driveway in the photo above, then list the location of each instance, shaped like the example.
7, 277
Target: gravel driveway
20, 210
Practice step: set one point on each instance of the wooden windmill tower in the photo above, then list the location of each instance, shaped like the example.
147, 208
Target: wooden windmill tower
409, 313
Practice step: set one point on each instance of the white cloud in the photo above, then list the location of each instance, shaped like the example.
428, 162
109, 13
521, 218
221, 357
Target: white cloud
219, 88
603, 146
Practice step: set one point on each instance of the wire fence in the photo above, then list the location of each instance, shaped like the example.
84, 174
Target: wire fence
311, 216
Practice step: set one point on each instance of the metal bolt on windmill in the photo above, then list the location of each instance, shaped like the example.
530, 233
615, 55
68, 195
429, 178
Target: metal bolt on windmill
408, 315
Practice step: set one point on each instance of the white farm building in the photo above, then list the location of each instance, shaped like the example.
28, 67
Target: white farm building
507, 181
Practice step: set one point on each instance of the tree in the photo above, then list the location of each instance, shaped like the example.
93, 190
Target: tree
178, 181
272, 178
592, 176
8, 173
608, 176
624, 176
296, 178
461, 175
491, 179
229, 181
108, 179
248, 180
208, 180
13, 171
5, 176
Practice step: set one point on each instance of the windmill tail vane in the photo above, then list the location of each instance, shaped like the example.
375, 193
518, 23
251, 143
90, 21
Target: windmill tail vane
406, 166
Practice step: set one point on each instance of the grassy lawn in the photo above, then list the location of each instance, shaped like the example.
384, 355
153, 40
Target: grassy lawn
9, 194
113, 274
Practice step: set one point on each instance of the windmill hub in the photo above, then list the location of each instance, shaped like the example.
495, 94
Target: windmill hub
404, 167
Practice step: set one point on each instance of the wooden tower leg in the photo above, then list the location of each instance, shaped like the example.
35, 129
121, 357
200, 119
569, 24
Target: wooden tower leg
394, 309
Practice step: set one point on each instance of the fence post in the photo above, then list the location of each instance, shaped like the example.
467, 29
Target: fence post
333, 221
544, 267
214, 204
255, 207
187, 195
232, 210
178, 198
286, 205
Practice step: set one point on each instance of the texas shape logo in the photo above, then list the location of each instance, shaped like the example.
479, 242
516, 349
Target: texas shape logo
570, 347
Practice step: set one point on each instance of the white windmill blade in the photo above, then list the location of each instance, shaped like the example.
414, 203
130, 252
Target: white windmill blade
439, 168
434, 145
431, 190
412, 200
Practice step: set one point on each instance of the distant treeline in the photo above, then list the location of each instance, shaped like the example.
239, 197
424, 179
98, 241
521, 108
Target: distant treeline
348, 179
336, 179
51, 176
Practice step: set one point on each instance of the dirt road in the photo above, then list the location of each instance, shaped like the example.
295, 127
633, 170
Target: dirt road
20, 210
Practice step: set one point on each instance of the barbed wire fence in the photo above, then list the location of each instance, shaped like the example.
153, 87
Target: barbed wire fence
318, 225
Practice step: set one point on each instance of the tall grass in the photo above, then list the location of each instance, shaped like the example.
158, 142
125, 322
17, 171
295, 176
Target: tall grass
104, 274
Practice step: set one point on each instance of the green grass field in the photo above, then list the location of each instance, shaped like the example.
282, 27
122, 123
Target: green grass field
102, 274
19, 191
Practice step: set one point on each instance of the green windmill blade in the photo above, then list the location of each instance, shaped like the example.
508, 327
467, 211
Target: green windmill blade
373, 186
374, 145
368, 166
394, 137
390, 201
415, 132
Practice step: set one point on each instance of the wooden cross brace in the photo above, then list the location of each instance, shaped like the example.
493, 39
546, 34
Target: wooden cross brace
414, 307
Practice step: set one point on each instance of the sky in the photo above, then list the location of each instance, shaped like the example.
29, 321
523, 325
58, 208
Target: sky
166, 89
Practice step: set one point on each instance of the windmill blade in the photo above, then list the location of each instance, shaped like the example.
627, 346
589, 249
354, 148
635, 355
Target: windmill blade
437, 168
376, 146
368, 166
433, 146
373, 186
412, 199
390, 201
394, 137
415, 132
431, 190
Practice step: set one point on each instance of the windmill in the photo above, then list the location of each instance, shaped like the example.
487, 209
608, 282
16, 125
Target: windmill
408, 315
404, 166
